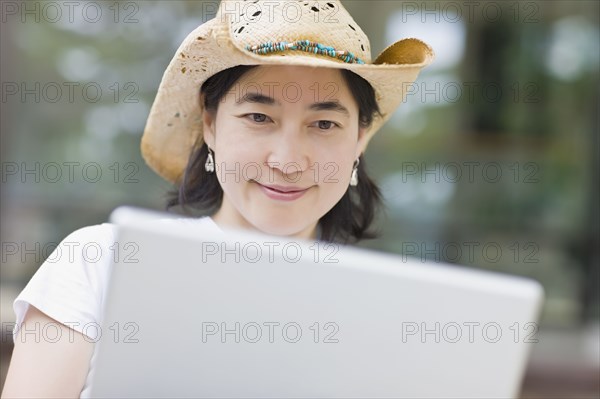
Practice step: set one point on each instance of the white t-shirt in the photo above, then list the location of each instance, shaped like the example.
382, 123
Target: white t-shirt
70, 286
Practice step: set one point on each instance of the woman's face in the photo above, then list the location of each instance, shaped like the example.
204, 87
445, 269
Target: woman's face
285, 139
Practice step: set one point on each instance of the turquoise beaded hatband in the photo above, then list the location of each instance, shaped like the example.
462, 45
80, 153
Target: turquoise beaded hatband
307, 46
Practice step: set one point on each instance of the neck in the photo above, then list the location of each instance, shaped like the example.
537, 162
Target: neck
228, 217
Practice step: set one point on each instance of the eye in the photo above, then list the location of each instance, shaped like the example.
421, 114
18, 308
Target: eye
326, 125
256, 117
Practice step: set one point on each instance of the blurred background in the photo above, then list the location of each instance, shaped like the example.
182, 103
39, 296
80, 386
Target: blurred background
492, 161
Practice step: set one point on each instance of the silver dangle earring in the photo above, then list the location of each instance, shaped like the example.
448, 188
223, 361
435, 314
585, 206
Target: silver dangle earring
354, 176
209, 166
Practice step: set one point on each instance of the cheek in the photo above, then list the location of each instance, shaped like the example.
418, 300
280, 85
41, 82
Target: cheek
336, 166
236, 163
232, 145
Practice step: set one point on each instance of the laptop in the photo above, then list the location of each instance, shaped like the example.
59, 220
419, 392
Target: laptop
237, 314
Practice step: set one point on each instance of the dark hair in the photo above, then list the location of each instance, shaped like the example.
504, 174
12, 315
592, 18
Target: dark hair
348, 221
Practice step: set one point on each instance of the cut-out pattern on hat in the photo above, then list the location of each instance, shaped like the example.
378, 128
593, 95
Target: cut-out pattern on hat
290, 21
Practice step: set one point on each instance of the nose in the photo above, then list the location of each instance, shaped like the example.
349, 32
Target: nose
290, 151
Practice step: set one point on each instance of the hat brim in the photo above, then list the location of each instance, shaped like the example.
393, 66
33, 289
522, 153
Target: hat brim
174, 125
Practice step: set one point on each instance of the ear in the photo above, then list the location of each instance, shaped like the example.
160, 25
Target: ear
208, 127
363, 139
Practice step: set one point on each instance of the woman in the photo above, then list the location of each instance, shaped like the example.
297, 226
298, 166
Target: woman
273, 142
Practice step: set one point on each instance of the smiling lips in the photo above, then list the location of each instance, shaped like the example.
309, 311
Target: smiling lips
283, 193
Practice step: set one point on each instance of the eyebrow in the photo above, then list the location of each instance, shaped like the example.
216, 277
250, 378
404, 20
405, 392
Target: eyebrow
329, 106
257, 98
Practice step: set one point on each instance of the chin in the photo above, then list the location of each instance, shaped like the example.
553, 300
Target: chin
284, 227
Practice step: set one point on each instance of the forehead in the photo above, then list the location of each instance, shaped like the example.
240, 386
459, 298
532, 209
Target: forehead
309, 84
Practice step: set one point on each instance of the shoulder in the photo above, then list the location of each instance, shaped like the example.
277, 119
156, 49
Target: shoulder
103, 229
100, 234
70, 284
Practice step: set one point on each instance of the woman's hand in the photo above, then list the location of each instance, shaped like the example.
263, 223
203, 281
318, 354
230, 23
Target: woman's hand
44, 366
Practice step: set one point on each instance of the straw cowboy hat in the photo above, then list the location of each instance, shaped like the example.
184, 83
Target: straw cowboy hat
316, 34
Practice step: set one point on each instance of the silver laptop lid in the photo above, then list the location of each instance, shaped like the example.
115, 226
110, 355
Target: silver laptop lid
236, 314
